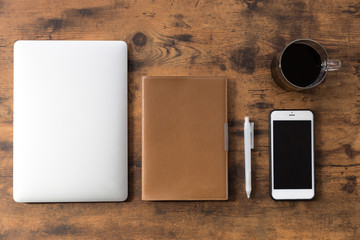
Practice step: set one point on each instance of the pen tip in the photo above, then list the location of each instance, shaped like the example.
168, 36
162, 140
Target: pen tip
248, 194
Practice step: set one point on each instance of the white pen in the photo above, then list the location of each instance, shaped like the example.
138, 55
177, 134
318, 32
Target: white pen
249, 144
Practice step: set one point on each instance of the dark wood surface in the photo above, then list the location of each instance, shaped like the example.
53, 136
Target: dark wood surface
237, 39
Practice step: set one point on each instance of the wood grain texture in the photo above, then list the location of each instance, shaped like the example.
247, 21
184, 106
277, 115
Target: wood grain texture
234, 38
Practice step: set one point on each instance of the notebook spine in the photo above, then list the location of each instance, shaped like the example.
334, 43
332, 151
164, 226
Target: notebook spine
226, 132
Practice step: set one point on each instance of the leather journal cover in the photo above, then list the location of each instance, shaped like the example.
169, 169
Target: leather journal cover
184, 138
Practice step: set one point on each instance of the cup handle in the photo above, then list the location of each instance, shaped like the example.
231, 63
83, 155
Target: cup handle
333, 65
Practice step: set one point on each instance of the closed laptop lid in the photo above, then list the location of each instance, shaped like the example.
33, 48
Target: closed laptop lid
70, 121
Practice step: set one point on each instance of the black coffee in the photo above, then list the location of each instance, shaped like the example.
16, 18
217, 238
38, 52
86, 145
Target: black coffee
301, 64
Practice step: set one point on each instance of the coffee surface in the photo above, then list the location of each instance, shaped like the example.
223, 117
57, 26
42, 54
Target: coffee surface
301, 64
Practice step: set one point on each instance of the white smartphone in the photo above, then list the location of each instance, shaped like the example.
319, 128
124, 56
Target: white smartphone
292, 173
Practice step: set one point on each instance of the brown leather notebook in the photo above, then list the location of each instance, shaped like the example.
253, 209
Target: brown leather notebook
184, 138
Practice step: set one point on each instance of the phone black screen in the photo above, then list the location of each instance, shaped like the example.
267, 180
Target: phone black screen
292, 154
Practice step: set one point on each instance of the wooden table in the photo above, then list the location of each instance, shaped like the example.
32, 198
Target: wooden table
234, 38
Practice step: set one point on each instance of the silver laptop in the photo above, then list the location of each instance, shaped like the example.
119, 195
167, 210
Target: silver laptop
70, 121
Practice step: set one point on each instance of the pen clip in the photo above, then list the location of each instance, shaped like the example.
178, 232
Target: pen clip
252, 135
